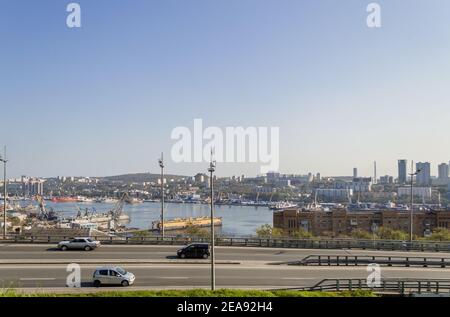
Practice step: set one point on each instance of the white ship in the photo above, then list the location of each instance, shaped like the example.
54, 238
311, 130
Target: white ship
82, 199
282, 205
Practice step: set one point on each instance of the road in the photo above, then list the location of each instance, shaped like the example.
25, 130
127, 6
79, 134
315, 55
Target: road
43, 267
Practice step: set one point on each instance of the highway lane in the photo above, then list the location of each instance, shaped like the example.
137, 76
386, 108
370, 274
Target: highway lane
146, 252
192, 276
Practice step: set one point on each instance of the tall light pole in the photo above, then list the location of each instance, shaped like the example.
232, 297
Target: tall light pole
412, 174
161, 164
211, 169
4, 193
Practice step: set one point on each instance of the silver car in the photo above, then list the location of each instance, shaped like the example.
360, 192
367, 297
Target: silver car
86, 244
112, 275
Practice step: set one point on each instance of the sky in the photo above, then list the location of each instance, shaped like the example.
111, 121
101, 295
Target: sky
103, 99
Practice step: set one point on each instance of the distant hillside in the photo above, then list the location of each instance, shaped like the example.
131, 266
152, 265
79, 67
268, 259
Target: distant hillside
140, 177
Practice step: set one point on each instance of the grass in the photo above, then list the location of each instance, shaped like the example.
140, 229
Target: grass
193, 293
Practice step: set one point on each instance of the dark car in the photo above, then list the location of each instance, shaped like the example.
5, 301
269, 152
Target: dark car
195, 250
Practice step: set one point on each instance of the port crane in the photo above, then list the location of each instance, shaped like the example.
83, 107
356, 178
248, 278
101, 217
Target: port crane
43, 213
118, 207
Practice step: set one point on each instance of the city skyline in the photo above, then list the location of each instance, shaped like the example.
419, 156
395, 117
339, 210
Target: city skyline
437, 171
103, 99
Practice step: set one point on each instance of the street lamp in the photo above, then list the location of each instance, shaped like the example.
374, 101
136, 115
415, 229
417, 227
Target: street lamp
4, 161
412, 202
211, 169
161, 164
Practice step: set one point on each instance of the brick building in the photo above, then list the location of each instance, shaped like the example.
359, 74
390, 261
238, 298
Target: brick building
343, 222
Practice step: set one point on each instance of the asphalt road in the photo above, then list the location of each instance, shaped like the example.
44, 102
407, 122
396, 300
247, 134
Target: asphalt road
160, 270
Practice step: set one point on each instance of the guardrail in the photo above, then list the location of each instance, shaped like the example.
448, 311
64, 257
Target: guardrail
355, 260
402, 286
384, 245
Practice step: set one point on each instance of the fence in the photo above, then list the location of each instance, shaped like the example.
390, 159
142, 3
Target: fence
339, 260
384, 245
402, 286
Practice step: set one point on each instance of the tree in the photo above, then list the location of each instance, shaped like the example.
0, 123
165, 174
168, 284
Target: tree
302, 234
267, 231
387, 233
440, 234
361, 234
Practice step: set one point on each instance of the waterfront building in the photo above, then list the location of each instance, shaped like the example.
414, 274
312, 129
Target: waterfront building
386, 179
421, 192
334, 194
423, 178
443, 171
361, 184
342, 222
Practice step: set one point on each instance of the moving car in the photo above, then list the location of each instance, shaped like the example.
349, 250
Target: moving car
195, 250
112, 275
86, 244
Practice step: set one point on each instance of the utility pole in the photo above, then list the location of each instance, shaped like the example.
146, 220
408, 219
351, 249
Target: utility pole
412, 174
5, 191
211, 169
161, 164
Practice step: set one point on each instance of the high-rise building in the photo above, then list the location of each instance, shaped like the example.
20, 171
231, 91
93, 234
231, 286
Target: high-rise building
402, 174
355, 172
424, 176
443, 171
32, 186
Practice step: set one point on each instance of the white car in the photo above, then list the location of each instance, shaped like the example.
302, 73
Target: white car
86, 244
112, 275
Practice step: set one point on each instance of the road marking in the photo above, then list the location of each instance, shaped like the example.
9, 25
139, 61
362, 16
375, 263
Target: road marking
174, 277
37, 279
300, 278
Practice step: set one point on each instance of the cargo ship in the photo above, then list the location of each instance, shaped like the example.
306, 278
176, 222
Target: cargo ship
64, 199
183, 223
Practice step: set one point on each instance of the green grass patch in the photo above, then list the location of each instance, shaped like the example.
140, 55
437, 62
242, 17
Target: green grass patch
193, 293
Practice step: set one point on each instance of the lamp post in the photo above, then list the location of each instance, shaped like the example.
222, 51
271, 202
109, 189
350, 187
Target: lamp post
211, 169
161, 165
4, 161
374, 230
412, 174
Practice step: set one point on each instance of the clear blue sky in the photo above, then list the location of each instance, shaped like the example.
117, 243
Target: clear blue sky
103, 99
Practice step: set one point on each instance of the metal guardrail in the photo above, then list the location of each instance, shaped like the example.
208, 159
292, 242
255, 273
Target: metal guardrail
402, 286
355, 260
384, 245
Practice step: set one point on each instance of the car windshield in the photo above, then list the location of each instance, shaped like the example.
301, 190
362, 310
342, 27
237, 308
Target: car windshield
88, 240
121, 271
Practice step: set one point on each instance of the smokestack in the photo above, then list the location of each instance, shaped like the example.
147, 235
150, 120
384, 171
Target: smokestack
375, 172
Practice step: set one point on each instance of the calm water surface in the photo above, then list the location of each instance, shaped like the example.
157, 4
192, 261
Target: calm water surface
236, 220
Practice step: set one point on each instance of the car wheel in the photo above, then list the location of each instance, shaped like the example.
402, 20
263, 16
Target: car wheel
97, 283
64, 248
125, 283
87, 248
183, 256
205, 256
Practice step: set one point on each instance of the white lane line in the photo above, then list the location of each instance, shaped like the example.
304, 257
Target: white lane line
174, 277
37, 279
